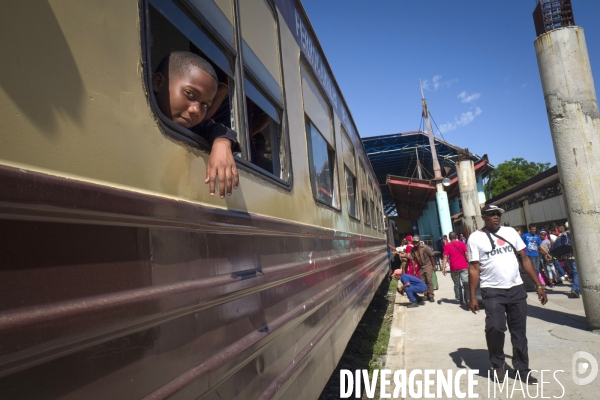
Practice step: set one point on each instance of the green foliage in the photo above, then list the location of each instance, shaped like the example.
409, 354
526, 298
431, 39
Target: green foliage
511, 173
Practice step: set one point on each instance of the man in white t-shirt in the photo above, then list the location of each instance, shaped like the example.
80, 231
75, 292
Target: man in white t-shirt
493, 264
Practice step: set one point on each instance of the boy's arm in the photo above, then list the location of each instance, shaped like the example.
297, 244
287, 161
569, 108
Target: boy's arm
221, 164
211, 130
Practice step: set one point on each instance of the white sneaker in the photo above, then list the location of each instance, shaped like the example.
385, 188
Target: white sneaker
566, 277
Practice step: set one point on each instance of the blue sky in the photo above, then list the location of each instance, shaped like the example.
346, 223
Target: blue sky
475, 56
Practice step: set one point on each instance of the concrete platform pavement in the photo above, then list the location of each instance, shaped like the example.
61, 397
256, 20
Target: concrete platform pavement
442, 335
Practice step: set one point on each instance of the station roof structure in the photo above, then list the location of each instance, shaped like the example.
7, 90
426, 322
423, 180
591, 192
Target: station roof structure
403, 165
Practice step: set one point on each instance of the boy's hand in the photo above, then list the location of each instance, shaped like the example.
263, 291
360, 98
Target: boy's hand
221, 165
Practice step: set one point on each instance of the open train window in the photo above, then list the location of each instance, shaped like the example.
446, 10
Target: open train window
244, 51
321, 144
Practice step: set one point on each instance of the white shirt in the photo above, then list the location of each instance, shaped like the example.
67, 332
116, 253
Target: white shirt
498, 268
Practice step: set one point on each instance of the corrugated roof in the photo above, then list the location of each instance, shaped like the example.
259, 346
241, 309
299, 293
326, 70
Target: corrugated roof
399, 155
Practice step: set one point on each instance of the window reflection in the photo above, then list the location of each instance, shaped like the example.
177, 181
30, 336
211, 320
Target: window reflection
322, 166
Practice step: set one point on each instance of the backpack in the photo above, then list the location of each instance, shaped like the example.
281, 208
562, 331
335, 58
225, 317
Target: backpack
563, 245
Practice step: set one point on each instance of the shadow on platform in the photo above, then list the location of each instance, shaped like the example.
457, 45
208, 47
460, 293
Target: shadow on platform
558, 317
474, 359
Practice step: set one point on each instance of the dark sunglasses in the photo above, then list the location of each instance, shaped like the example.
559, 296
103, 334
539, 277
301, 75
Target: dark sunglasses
494, 214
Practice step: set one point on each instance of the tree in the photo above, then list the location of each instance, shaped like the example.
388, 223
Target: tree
512, 173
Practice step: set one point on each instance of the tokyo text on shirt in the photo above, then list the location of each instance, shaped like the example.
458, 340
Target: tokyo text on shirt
498, 268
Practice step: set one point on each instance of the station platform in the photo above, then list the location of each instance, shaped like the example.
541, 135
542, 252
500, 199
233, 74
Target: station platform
442, 335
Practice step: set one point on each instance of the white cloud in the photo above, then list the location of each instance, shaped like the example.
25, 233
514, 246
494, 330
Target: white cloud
436, 83
465, 119
467, 98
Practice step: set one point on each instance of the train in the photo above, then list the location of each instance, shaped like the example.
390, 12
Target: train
120, 275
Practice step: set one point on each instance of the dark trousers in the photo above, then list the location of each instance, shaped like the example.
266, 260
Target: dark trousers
412, 290
502, 306
426, 274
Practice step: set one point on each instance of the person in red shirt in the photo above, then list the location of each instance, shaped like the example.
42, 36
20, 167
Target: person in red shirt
412, 267
456, 252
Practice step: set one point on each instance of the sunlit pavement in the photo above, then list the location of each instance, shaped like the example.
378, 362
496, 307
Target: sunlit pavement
442, 335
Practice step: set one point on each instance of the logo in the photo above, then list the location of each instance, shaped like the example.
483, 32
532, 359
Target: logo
501, 242
579, 368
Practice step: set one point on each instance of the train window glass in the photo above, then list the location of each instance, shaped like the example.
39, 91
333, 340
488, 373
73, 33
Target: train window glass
315, 106
350, 172
348, 152
366, 212
320, 141
260, 48
374, 214
172, 28
264, 127
322, 166
351, 191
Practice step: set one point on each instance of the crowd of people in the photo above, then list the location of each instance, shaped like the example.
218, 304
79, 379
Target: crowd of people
551, 270
491, 267
414, 259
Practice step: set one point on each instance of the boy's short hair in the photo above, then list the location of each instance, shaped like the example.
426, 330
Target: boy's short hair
180, 62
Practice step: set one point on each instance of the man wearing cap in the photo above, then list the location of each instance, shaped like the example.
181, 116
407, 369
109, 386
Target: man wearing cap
423, 256
493, 263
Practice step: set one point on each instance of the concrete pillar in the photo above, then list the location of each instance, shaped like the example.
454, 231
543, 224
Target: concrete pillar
572, 109
441, 198
467, 185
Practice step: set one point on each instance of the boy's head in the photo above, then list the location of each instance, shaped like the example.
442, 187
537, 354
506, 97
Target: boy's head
184, 85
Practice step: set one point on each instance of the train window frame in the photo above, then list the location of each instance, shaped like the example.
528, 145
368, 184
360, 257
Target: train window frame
311, 130
312, 88
350, 170
365, 206
348, 173
254, 73
373, 216
186, 13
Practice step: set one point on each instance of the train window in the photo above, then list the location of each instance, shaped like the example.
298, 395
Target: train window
174, 28
374, 218
264, 128
350, 172
252, 106
365, 204
363, 196
320, 142
351, 190
264, 109
322, 164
